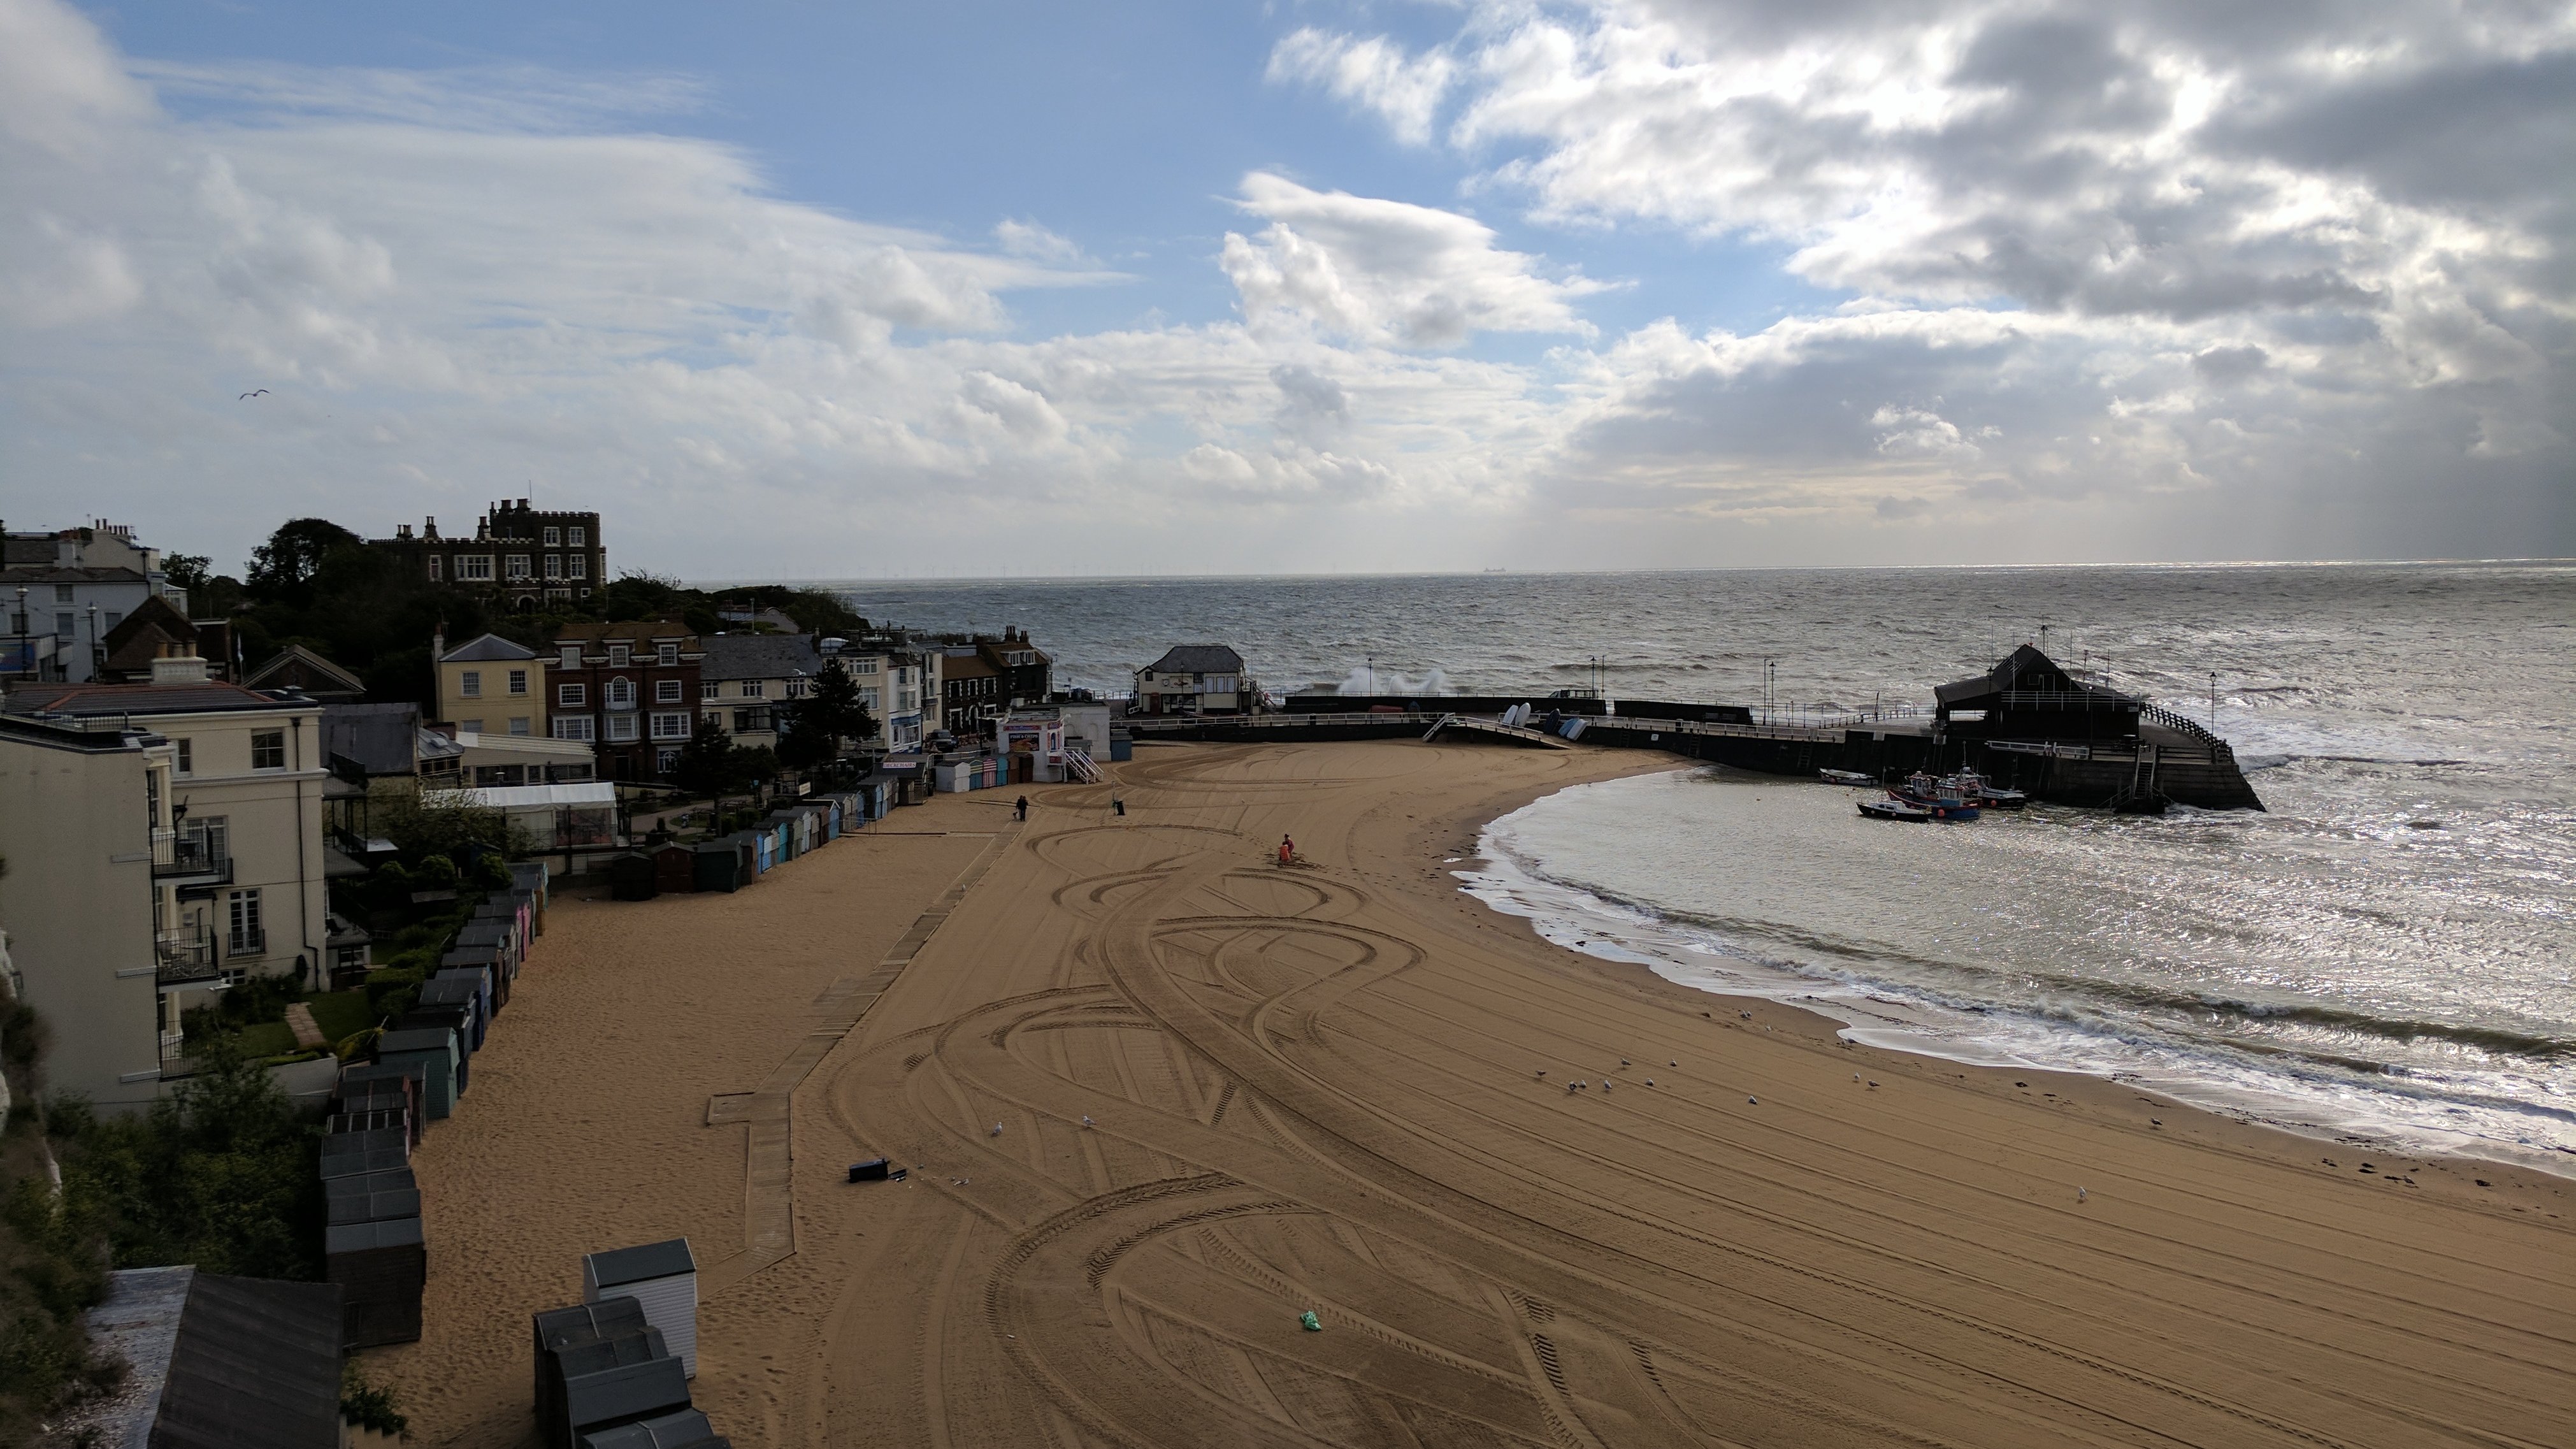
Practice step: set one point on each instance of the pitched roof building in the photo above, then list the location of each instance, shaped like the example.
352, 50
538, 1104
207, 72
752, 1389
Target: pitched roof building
1195, 679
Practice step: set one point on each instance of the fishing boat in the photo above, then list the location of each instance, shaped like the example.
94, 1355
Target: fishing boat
1938, 796
1889, 807
1846, 777
1977, 790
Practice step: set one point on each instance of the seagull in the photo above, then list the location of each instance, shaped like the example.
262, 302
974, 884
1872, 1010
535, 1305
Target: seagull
1086, 1120
2079, 1194
262, 392
1650, 1081
997, 1129
1753, 1101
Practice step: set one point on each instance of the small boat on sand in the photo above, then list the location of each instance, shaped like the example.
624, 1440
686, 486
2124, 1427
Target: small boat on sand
1891, 808
1846, 777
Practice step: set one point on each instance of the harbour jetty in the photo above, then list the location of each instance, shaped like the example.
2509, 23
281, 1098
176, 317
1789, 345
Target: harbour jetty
2027, 724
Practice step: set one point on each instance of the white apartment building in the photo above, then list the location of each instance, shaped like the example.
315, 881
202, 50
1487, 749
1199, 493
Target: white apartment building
164, 840
71, 587
891, 686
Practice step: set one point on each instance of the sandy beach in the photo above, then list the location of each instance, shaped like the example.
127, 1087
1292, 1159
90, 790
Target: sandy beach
1161, 1096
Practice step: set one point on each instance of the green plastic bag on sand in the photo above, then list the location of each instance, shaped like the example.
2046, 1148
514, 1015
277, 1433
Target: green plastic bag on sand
1308, 1321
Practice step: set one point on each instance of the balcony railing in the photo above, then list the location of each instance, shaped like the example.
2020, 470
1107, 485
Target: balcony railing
251, 942
190, 858
180, 959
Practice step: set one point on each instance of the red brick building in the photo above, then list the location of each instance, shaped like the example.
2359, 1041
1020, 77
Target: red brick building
630, 690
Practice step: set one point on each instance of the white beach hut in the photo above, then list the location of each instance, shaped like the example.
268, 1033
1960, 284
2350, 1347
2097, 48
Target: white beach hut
663, 1278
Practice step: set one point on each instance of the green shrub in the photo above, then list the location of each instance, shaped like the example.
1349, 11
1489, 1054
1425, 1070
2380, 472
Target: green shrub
367, 1405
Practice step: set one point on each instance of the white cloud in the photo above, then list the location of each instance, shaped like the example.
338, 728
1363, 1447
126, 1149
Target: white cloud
2133, 279
1373, 73
1389, 271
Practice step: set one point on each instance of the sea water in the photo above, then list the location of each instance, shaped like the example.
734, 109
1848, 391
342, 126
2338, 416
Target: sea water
2388, 952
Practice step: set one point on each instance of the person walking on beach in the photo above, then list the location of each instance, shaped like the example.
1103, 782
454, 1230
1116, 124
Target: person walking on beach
1022, 808
1287, 850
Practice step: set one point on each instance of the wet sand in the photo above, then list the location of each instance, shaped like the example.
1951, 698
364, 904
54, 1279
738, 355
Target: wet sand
1318, 1088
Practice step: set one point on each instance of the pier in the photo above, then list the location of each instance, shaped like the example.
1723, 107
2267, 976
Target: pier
2027, 725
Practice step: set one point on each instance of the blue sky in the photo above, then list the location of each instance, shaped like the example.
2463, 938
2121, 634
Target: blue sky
1210, 288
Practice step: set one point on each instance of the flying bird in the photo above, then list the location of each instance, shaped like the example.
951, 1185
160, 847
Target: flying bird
262, 392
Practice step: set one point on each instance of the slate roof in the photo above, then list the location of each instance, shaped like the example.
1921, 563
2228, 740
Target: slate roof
88, 700
378, 738
297, 656
490, 648
51, 573
137, 638
257, 1362
1198, 659
2024, 668
759, 656
635, 1265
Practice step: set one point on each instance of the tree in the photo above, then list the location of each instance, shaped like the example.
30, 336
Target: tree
438, 825
188, 570
706, 765
829, 714
281, 567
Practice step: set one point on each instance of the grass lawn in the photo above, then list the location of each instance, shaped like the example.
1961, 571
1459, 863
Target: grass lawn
341, 1013
267, 1039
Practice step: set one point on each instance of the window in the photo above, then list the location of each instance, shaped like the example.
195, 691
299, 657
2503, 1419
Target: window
666, 691
187, 756
554, 537
665, 761
575, 727
62, 593
248, 938
473, 566
709, 689
621, 693
577, 536
554, 565
670, 656
863, 666
796, 688
518, 681
113, 619
750, 721
578, 565
618, 654
673, 726
518, 566
868, 698
469, 726
437, 567
63, 627
751, 689
572, 656
518, 724
571, 696
469, 683
268, 750
621, 726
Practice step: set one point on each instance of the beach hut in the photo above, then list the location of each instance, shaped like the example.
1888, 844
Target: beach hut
631, 877
675, 869
462, 994
533, 877
584, 1339
717, 866
783, 824
396, 1093
612, 1397
380, 1268
442, 1077
481, 977
663, 1277
486, 959
373, 1197
500, 935
680, 1429
504, 909
374, 1082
